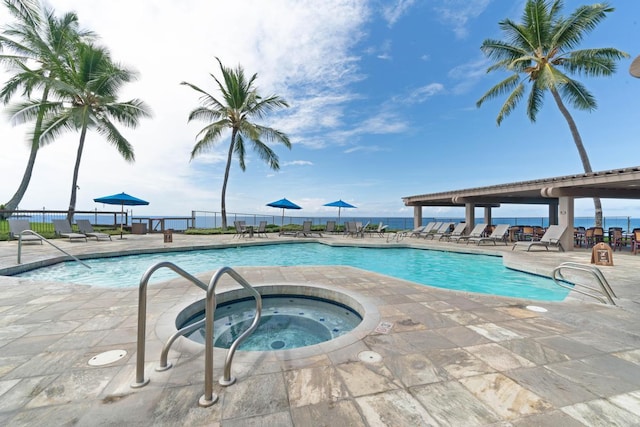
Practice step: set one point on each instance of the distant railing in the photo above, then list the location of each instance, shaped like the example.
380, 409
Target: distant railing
41, 221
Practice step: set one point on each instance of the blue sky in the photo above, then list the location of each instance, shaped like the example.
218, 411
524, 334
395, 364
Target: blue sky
382, 97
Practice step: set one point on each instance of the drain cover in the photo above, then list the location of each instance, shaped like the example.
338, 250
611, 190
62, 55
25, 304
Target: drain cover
536, 308
369, 356
107, 357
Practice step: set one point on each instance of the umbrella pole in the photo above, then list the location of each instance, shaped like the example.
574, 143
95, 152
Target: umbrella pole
121, 218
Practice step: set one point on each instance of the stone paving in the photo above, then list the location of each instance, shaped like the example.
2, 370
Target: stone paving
444, 357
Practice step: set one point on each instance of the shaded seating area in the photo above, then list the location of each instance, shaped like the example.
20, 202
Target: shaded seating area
63, 229
445, 228
551, 237
499, 234
86, 228
17, 226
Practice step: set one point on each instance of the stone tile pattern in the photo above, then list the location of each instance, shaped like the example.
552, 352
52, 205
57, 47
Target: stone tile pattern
451, 358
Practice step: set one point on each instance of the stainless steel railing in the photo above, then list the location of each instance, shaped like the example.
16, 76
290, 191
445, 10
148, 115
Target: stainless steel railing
33, 233
603, 293
208, 398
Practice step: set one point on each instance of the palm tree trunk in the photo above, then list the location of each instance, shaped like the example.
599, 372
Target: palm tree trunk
223, 207
74, 181
13, 203
581, 151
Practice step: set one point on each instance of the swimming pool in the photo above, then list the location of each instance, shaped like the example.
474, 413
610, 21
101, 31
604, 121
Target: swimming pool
464, 272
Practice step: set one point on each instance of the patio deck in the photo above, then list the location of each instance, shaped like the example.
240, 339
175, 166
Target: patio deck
449, 358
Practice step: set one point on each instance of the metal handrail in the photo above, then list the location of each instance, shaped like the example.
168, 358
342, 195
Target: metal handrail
45, 240
208, 398
605, 289
142, 314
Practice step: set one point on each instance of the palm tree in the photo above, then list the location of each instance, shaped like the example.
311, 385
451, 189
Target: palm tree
240, 103
36, 38
539, 51
85, 97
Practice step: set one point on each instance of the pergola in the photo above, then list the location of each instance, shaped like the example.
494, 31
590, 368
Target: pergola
558, 193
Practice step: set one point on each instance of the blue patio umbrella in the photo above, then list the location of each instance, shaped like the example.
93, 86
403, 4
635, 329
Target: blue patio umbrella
339, 204
121, 199
283, 204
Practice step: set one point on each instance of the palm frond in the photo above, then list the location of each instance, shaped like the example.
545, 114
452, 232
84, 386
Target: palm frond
115, 138
535, 101
505, 86
578, 95
569, 32
510, 103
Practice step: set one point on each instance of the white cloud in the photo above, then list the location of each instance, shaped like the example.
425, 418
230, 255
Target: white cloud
299, 51
393, 12
457, 13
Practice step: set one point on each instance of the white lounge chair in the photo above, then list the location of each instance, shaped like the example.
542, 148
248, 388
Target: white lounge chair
499, 234
551, 237
306, 230
86, 228
17, 226
261, 230
63, 228
380, 230
444, 229
416, 231
430, 230
477, 231
457, 231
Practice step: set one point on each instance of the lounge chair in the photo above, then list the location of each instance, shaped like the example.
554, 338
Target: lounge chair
499, 234
17, 226
416, 231
86, 228
306, 230
430, 230
63, 228
457, 231
477, 231
380, 230
331, 227
551, 237
261, 230
444, 229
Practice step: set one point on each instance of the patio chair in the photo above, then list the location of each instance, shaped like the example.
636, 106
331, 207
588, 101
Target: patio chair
444, 229
17, 226
306, 230
432, 230
86, 228
330, 227
416, 231
477, 231
458, 230
63, 228
499, 234
551, 237
241, 230
635, 240
380, 230
261, 230
350, 229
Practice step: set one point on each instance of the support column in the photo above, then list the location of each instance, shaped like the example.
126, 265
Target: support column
565, 218
487, 215
417, 216
553, 214
469, 216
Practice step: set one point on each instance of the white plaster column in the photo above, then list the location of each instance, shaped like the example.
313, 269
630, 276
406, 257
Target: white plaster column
565, 218
469, 216
417, 216
487, 215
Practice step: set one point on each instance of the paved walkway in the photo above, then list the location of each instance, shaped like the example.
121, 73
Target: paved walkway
444, 358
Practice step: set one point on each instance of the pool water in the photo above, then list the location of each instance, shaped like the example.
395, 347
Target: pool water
450, 270
286, 322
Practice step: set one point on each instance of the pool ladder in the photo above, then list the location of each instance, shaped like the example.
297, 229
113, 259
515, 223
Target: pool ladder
208, 398
603, 294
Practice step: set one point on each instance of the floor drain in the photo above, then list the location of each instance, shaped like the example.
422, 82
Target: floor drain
536, 308
107, 357
277, 345
369, 356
